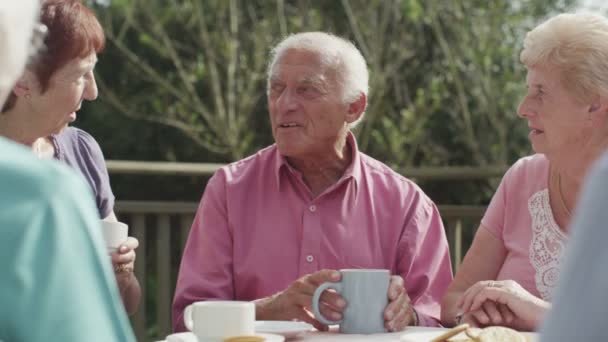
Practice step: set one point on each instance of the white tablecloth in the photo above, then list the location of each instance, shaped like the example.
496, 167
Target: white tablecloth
411, 334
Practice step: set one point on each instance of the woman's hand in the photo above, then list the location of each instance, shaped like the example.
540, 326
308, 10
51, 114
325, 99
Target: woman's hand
490, 313
527, 309
123, 260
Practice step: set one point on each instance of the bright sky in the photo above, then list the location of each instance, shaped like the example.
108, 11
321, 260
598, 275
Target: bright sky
601, 5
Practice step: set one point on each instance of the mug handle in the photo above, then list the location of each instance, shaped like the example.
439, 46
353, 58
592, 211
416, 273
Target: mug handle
188, 318
317, 296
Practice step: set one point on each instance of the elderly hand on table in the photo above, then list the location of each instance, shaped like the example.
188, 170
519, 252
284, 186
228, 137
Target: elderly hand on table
503, 303
399, 312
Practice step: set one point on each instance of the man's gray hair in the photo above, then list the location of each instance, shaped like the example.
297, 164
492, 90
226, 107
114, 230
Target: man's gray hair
338, 54
17, 20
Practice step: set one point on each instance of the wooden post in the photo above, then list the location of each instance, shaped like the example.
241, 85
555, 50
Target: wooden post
138, 230
164, 294
185, 222
457, 246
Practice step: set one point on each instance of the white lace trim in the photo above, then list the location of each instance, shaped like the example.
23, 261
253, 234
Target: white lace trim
546, 245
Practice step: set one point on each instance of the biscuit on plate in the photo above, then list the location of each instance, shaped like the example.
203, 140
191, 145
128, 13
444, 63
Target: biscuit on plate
451, 333
500, 334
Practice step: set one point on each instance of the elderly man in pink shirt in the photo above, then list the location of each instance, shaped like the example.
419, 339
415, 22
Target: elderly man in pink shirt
274, 226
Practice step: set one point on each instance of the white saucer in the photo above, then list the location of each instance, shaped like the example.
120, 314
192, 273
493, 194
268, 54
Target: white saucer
271, 337
182, 337
288, 329
190, 337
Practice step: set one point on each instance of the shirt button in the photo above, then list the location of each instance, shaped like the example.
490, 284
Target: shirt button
312, 208
310, 258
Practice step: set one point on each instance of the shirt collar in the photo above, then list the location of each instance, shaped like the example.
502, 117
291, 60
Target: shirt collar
352, 171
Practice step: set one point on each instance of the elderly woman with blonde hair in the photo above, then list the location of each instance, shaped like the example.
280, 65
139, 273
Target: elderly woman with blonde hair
510, 271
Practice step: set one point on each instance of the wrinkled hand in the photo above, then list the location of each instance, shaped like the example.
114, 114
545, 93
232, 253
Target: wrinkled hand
527, 309
490, 313
295, 302
123, 260
399, 312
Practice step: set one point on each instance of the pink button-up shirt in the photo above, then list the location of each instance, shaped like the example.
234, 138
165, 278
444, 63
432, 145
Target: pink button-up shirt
258, 228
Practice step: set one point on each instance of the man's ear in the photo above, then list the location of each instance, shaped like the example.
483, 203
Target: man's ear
356, 108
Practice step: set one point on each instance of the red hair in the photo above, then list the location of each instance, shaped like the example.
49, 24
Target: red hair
73, 32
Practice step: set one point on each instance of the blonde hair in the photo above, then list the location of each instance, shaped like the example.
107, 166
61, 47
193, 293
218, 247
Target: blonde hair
577, 44
17, 20
337, 53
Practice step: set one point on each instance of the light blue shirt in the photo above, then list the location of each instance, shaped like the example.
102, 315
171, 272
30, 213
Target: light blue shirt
56, 282
580, 302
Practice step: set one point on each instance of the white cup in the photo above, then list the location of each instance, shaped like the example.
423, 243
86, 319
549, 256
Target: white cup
212, 321
114, 234
182, 337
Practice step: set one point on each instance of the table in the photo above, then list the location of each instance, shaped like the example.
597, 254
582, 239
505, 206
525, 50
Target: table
317, 336
411, 334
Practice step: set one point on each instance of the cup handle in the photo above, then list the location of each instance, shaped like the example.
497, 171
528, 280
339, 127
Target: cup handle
317, 296
188, 318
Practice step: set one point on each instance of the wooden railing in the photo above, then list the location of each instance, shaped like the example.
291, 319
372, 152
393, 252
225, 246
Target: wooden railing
207, 169
163, 227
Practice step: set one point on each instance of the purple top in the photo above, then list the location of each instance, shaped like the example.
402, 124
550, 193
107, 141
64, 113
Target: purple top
79, 150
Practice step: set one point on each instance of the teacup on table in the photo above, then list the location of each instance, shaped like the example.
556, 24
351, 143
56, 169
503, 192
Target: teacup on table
114, 234
366, 295
214, 321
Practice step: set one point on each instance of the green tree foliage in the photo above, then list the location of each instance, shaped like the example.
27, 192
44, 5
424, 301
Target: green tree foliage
445, 75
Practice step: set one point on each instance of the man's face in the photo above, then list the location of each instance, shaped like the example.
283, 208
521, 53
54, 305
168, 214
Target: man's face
307, 113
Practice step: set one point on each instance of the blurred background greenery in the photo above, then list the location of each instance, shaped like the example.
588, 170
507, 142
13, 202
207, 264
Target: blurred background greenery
184, 80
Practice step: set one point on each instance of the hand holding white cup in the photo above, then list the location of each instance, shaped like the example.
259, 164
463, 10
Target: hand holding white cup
114, 234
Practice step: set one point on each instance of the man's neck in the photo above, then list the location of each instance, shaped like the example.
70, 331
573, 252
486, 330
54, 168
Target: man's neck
320, 171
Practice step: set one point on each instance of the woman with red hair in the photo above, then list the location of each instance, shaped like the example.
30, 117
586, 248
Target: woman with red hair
45, 100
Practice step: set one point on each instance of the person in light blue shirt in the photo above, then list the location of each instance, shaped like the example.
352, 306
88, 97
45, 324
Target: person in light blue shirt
56, 282
580, 307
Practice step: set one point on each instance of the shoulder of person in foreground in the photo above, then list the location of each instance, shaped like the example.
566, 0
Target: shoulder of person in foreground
579, 303
56, 271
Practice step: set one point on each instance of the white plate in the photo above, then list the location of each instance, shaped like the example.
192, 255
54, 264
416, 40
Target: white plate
289, 329
271, 337
423, 334
190, 337
416, 334
182, 337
